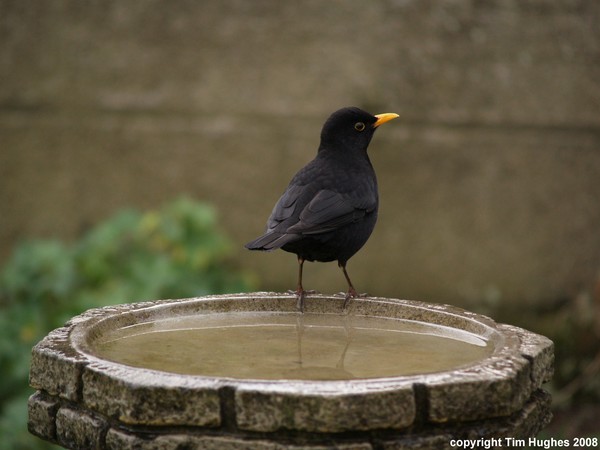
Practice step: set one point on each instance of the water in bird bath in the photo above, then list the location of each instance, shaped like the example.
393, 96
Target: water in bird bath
273, 345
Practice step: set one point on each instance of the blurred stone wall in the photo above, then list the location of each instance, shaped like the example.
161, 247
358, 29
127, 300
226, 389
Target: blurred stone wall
490, 181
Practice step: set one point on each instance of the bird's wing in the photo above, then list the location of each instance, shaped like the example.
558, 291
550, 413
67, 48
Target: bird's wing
285, 214
327, 211
286, 207
303, 210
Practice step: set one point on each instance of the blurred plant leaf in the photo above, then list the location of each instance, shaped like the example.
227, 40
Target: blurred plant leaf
177, 251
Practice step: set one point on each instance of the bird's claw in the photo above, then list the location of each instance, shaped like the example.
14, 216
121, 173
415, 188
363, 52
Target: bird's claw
352, 294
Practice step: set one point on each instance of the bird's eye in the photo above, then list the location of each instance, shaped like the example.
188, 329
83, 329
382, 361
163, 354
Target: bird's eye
359, 126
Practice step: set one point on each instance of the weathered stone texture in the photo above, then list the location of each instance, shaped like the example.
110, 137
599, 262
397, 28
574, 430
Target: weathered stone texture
42, 414
269, 410
77, 429
118, 440
55, 366
135, 396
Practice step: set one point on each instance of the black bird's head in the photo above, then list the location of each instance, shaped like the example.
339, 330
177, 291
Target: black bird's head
351, 129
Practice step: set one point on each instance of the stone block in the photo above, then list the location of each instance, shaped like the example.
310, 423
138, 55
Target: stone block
498, 387
76, 429
42, 415
121, 440
537, 349
270, 410
143, 397
55, 367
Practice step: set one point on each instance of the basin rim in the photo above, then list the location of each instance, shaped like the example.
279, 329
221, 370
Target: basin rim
92, 321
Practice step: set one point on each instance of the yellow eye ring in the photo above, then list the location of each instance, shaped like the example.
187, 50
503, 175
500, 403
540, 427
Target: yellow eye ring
359, 126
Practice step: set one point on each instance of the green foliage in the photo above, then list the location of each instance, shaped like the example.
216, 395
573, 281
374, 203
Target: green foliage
172, 253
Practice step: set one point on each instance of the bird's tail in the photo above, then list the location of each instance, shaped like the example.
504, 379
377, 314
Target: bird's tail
270, 241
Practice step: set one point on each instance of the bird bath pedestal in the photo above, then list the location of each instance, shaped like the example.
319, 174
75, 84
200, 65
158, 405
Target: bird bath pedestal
248, 371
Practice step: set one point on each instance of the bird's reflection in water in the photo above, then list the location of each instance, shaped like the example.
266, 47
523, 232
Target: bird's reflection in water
304, 369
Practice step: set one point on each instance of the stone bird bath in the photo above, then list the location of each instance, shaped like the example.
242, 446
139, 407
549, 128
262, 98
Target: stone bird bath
249, 371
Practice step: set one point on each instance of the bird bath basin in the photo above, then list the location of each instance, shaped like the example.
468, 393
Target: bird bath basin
288, 345
249, 371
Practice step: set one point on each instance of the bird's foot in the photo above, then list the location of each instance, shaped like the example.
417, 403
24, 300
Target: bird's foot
352, 294
300, 296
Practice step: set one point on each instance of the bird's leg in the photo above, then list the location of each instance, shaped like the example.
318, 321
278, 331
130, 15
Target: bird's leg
300, 292
299, 289
351, 291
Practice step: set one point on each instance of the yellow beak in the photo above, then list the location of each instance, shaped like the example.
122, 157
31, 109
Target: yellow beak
383, 118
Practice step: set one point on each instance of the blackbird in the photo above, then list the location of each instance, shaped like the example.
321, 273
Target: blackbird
329, 209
